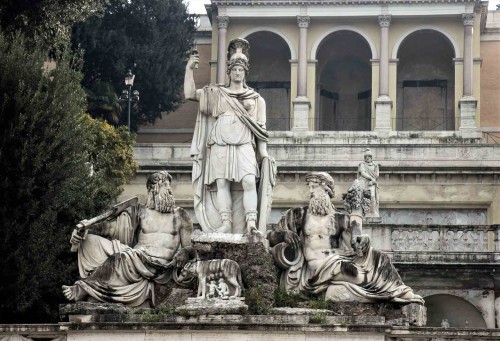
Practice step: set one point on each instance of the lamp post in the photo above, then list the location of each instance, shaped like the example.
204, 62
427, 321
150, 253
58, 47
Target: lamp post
129, 95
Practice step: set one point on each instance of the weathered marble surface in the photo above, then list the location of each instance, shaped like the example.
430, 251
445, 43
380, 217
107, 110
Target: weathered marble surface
434, 216
230, 134
120, 258
212, 306
327, 254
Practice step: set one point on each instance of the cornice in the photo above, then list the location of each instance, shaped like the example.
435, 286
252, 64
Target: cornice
329, 2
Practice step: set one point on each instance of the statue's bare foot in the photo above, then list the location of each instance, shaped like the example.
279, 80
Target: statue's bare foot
73, 293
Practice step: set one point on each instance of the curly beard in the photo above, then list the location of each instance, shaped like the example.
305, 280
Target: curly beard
163, 201
320, 205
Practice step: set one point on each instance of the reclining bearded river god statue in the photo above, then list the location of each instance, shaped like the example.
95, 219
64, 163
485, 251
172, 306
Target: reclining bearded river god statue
232, 194
122, 253
318, 252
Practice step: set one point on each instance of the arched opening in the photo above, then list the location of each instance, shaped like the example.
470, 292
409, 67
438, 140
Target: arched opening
270, 76
458, 312
343, 97
426, 82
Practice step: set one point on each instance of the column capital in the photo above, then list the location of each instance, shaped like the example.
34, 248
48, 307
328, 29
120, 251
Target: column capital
303, 21
222, 21
468, 19
384, 20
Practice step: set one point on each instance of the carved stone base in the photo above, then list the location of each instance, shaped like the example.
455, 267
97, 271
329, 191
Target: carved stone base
468, 127
230, 238
213, 306
383, 106
301, 106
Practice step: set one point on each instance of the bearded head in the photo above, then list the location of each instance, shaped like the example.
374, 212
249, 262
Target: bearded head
160, 196
320, 203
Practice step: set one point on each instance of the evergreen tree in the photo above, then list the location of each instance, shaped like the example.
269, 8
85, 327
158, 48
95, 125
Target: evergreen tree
53, 173
151, 37
48, 21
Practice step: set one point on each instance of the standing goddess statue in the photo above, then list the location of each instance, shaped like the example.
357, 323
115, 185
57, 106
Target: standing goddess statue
230, 136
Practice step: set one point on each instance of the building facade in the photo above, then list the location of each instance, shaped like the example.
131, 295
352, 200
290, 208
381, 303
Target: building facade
417, 82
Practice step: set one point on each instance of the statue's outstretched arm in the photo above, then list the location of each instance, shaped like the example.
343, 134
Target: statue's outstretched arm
190, 91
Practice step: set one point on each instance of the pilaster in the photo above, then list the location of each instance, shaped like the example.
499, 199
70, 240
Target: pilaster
468, 102
383, 104
222, 23
301, 104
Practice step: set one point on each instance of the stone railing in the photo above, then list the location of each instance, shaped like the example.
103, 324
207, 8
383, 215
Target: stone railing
435, 238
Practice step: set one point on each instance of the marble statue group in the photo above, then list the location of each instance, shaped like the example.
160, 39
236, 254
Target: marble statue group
319, 250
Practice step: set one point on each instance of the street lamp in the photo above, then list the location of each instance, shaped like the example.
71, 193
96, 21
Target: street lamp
129, 95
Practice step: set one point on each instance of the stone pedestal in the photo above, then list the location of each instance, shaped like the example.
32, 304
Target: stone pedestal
415, 314
213, 306
467, 107
383, 106
301, 106
258, 273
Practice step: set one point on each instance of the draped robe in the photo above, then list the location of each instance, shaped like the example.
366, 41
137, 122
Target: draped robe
370, 276
223, 146
112, 270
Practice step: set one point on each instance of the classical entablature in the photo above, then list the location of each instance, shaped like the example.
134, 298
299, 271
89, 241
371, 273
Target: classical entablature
362, 65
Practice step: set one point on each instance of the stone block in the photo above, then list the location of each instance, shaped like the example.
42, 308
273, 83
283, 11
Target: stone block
355, 320
416, 314
212, 306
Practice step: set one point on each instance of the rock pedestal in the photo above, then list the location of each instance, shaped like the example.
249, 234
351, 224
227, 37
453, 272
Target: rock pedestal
258, 272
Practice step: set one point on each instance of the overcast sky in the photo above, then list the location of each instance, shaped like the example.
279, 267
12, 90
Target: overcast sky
197, 6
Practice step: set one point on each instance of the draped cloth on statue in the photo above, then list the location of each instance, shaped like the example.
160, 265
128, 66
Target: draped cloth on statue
370, 276
223, 145
112, 271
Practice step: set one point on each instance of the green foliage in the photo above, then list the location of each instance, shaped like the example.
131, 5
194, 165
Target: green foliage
104, 103
318, 318
283, 299
49, 21
111, 155
48, 148
256, 302
150, 37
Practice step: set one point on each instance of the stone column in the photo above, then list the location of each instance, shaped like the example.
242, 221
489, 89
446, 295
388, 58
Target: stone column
468, 103
301, 103
383, 104
222, 22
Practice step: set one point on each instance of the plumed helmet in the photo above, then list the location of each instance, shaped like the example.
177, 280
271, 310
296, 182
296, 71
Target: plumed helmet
323, 178
237, 54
